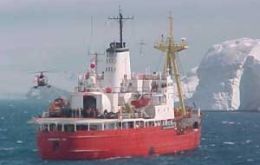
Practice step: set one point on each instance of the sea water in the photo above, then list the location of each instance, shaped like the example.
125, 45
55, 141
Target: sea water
227, 138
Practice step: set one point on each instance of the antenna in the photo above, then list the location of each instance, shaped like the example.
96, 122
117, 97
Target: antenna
91, 28
120, 19
91, 35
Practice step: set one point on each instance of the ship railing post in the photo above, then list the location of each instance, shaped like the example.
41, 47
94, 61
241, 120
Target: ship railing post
79, 112
114, 126
103, 126
56, 126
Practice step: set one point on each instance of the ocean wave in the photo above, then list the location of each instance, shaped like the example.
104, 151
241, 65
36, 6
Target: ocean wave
19, 141
248, 141
212, 145
35, 150
11, 105
239, 156
118, 157
3, 129
250, 160
229, 143
228, 122
3, 137
7, 148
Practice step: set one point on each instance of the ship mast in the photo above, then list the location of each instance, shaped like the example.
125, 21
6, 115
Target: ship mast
171, 49
120, 19
96, 60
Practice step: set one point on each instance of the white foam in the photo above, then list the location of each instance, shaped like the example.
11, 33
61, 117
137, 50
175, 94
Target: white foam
239, 156
6, 148
213, 145
114, 158
228, 122
19, 141
224, 122
35, 150
248, 141
3, 129
250, 160
229, 143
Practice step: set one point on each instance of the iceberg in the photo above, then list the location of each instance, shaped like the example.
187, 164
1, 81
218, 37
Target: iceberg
229, 76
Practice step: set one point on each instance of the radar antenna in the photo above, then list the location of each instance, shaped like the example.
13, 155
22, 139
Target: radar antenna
120, 19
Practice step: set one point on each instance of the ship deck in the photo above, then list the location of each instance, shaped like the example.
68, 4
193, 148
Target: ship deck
89, 120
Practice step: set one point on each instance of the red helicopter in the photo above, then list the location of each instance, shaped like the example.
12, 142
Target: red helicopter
41, 80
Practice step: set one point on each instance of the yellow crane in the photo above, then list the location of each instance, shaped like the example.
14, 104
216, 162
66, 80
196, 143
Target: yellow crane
171, 48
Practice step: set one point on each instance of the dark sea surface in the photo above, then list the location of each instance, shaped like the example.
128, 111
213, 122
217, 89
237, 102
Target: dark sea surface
227, 138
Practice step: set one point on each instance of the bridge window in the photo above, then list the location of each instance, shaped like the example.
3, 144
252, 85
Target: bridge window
110, 69
110, 60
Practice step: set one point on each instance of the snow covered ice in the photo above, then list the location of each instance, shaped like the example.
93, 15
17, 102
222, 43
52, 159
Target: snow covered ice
229, 76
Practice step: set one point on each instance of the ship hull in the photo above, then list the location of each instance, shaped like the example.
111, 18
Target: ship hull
116, 143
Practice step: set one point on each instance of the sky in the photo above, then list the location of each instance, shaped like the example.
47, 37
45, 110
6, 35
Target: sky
60, 34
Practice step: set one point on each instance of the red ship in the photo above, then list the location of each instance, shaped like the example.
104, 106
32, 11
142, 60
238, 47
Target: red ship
121, 114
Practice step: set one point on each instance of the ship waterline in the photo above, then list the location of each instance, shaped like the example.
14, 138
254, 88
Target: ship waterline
124, 142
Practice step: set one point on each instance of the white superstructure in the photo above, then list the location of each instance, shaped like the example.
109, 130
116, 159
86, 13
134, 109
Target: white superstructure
117, 66
117, 90
118, 93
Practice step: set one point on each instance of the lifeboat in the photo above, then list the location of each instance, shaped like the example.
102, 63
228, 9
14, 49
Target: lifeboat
108, 90
56, 106
141, 102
